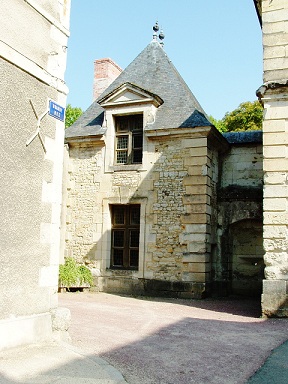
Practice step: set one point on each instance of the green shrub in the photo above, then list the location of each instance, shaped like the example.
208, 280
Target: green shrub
85, 275
73, 274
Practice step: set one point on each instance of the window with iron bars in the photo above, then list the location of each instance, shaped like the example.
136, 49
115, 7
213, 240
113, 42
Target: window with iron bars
129, 139
125, 236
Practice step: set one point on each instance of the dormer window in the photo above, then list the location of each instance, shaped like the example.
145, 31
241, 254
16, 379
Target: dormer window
129, 139
128, 110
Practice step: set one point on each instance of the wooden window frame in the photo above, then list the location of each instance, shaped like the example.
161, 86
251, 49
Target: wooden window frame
131, 133
127, 227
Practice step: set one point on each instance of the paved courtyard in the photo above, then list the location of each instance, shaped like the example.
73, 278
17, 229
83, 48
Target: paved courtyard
170, 341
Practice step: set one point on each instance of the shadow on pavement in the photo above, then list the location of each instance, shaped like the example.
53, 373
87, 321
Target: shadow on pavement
54, 363
196, 351
165, 341
248, 307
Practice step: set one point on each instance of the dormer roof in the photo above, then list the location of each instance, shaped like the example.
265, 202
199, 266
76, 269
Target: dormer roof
151, 74
128, 94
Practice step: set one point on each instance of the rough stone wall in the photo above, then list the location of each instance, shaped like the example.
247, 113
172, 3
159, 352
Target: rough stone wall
246, 263
187, 213
165, 254
175, 187
274, 95
88, 221
243, 166
89, 185
239, 206
128, 180
83, 204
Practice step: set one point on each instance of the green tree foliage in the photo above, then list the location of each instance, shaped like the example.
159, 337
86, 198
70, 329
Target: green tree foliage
218, 124
247, 117
72, 114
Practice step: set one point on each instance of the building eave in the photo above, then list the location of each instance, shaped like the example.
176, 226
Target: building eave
258, 7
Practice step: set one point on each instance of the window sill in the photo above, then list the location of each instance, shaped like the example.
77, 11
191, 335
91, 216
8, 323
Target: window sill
132, 269
121, 272
125, 168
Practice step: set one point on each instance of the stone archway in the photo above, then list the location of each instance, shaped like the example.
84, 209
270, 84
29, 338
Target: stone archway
246, 262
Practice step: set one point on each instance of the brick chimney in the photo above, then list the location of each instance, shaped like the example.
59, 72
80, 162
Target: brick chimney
105, 72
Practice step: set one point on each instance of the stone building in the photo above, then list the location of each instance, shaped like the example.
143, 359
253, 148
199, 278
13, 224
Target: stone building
158, 201
273, 16
32, 66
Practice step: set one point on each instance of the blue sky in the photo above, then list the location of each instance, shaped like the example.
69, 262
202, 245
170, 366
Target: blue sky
215, 45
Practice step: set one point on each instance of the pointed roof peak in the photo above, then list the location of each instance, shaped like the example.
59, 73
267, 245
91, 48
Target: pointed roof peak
157, 36
153, 72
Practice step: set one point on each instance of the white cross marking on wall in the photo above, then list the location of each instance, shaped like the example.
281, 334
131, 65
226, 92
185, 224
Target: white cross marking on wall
37, 132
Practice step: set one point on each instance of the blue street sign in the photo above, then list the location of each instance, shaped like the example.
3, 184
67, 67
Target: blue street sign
55, 110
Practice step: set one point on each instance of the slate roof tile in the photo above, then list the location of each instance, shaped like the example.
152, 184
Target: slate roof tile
154, 72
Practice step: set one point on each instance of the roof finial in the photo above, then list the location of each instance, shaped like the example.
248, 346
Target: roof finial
161, 37
161, 34
155, 29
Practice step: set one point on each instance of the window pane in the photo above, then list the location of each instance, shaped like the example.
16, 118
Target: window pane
121, 124
118, 257
118, 238
129, 123
122, 142
122, 157
119, 215
137, 141
134, 238
135, 215
134, 257
137, 148
137, 156
136, 123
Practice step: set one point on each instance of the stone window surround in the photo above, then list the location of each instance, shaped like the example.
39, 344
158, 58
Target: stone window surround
109, 122
107, 227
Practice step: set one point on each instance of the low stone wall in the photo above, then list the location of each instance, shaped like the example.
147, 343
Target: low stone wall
152, 287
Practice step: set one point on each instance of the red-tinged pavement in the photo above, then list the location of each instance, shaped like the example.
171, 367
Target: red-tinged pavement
172, 341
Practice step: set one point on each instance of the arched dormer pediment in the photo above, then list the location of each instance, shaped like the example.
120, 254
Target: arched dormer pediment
129, 94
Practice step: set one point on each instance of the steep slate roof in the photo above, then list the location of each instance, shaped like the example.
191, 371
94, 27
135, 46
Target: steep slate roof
153, 71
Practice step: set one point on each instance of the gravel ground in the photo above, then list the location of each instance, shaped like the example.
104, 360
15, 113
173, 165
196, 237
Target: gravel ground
172, 341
